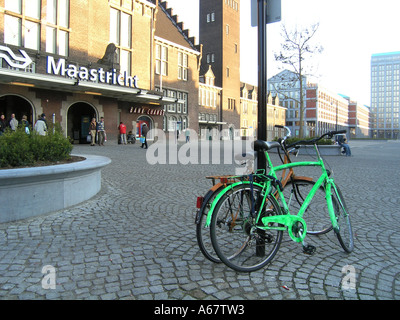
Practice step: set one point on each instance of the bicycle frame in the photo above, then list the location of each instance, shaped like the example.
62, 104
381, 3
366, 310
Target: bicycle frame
287, 221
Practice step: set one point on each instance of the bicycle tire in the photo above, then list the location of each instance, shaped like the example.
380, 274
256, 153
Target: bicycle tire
344, 231
316, 214
234, 234
203, 233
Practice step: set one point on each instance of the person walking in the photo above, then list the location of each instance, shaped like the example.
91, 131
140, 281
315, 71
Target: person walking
13, 123
122, 132
41, 125
93, 131
187, 134
101, 130
145, 130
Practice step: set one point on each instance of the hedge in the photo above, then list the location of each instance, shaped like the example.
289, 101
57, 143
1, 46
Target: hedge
19, 149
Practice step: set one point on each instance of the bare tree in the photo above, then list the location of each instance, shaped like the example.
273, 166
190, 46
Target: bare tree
297, 47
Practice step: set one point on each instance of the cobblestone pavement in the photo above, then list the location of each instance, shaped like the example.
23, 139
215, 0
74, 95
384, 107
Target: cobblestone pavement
136, 238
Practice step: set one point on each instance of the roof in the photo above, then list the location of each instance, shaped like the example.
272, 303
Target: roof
169, 28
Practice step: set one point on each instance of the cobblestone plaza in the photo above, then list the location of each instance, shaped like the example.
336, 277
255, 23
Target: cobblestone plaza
136, 238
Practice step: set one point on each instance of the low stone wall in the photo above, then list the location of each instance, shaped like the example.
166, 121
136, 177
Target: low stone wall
324, 150
29, 192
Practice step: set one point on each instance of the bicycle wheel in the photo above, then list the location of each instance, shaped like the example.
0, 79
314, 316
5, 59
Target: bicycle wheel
203, 233
234, 234
344, 232
317, 214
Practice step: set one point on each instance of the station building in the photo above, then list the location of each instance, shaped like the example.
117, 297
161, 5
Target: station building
75, 60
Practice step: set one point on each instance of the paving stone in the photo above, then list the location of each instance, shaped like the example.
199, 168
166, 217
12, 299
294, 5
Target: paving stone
136, 238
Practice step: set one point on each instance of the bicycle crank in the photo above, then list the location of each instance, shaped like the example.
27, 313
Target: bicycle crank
296, 226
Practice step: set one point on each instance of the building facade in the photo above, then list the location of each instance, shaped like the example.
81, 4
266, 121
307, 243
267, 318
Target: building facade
276, 114
324, 109
385, 92
177, 61
210, 112
56, 58
219, 33
359, 120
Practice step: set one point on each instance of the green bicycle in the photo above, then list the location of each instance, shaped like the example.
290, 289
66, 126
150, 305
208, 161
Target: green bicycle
247, 222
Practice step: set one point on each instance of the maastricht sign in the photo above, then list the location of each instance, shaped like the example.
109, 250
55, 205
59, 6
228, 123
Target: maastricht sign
85, 74
61, 68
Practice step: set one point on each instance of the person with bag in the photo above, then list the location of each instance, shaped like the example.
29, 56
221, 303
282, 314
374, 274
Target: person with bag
25, 124
145, 130
41, 125
93, 131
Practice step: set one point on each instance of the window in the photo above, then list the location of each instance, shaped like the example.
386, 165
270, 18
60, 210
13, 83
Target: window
182, 66
57, 30
21, 23
227, 29
121, 36
161, 60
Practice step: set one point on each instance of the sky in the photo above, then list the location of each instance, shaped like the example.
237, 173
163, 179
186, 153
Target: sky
350, 32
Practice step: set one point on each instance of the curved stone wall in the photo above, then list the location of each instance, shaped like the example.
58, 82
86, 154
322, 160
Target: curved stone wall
29, 192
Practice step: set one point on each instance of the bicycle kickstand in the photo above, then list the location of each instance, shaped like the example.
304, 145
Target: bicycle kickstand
308, 249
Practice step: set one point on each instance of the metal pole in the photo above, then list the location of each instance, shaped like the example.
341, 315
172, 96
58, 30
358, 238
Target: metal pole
262, 79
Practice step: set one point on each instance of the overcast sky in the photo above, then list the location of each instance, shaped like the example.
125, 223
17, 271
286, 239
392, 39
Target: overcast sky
350, 32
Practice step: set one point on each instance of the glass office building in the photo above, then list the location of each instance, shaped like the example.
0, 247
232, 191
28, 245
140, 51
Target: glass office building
385, 91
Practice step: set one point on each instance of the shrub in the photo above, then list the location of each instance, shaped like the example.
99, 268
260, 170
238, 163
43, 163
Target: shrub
18, 149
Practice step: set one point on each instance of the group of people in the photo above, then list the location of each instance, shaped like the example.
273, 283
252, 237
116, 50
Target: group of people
124, 139
97, 131
40, 126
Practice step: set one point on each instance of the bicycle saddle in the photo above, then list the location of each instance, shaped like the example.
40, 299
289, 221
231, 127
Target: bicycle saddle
261, 145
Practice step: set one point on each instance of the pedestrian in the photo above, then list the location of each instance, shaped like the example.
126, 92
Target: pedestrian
145, 130
122, 132
187, 134
101, 131
93, 131
41, 125
13, 123
25, 124
3, 124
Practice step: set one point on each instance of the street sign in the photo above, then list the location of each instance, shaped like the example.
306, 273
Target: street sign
274, 11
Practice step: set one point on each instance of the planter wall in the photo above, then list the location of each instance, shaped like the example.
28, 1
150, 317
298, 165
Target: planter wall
29, 192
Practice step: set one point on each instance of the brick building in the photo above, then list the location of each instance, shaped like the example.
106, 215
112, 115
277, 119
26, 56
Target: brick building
276, 114
219, 34
74, 60
176, 73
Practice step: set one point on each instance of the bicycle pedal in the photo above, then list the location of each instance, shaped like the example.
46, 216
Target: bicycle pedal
309, 249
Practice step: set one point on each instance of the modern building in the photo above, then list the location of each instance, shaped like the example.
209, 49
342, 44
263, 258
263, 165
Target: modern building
124, 60
324, 110
219, 34
385, 94
359, 120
